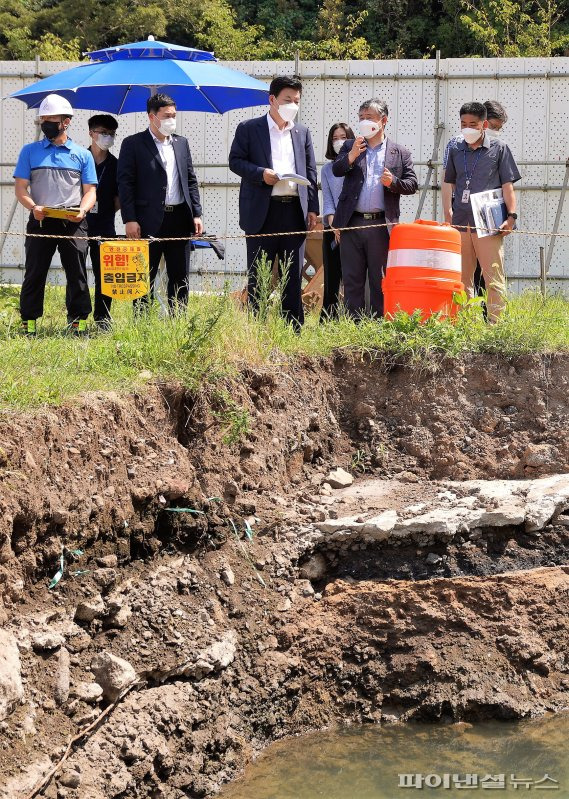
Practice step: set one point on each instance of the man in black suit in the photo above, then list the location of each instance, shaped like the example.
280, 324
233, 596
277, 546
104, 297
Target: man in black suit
159, 195
377, 172
263, 149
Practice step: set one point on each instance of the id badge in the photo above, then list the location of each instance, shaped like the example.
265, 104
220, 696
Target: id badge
95, 208
466, 195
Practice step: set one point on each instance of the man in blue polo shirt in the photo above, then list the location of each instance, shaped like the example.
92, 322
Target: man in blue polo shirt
479, 163
57, 173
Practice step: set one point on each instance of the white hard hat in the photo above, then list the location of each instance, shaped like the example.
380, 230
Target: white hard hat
55, 104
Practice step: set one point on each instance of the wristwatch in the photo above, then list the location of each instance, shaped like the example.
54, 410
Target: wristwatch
512, 214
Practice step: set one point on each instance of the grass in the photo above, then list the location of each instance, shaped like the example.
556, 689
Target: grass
213, 338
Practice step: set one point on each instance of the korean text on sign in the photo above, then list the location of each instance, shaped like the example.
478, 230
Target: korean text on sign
124, 269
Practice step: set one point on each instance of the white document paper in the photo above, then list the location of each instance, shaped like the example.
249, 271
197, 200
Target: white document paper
292, 177
479, 203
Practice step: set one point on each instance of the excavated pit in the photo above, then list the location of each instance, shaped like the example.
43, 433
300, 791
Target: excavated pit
249, 598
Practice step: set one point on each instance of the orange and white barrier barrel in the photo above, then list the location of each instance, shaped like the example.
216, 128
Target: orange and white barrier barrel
423, 269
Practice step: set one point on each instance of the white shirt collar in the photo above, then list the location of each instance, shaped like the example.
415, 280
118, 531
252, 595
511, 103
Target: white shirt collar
167, 140
273, 125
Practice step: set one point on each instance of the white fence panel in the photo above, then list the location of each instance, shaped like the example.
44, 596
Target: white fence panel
533, 90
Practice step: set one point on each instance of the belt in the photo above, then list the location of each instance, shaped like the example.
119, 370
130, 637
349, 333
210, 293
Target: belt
285, 198
376, 215
169, 208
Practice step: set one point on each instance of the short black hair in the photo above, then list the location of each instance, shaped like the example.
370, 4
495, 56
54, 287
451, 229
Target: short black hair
158, 101
474, 109
330, 152
495, 110
284, 82
103, 121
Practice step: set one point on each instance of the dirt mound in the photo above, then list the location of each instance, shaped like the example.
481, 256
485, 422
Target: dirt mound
182, 519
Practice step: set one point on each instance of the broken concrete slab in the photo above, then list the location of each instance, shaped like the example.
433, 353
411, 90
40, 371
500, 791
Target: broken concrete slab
466, 507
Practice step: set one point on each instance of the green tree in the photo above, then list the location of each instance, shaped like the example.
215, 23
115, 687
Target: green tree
506, 28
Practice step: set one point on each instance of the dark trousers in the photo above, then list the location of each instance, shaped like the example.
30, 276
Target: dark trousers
102, 309
177, 222
282, 217
332, 274
364, 254
39, 254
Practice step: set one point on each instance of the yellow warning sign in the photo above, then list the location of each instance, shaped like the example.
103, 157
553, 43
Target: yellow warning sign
124, 269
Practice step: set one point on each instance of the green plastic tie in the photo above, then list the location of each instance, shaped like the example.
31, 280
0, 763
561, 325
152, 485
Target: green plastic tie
58, 574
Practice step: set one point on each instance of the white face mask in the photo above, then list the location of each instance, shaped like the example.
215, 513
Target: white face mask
494, 134
167, 126
104, 141
368, 128
471, 135
288, 111
337, 145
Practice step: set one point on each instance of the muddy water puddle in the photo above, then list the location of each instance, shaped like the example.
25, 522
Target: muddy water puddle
451, 760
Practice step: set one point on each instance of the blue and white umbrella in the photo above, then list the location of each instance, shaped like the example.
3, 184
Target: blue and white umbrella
125, 77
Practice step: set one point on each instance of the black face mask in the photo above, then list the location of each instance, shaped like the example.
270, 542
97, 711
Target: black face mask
50, 129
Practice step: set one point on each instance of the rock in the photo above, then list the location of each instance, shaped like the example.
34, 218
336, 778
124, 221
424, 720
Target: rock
112, 673
379, 527
364, 410
59, 516
305, 587
284, 605
61, 694
118, 616
90, 608
230, 490
11, 688
215, 658
339, 478
538, 456
108, 561
408, 477
227, 576
47, 640
89, 692
332, 525
105, 578
70, 778
176, 489
433, 559
315, 568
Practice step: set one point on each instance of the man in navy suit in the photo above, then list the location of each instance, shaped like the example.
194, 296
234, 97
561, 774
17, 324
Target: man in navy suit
159, 195
263, 149
377, 172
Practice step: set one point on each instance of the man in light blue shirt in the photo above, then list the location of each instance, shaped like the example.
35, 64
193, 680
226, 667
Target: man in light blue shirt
55, 172
377, 172
371, 199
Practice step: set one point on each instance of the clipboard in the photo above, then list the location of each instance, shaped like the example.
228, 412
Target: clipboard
60, 213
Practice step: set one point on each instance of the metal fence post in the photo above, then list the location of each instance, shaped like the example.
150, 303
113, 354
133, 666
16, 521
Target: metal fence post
557, 218
438, 132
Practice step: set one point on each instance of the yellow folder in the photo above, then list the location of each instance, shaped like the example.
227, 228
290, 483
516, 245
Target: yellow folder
59, 213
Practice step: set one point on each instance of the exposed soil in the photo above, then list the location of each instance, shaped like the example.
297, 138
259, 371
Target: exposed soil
230, 644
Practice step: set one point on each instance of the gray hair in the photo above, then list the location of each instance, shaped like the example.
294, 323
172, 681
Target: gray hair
379, 106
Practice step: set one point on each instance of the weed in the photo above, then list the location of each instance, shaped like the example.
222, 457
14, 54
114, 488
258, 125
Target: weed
232, 417
359, 462
212, 338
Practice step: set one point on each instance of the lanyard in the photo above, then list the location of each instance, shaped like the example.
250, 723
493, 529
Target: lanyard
470, 176
100, 177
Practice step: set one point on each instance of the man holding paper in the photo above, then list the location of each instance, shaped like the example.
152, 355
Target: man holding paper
266, 151
480, 164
